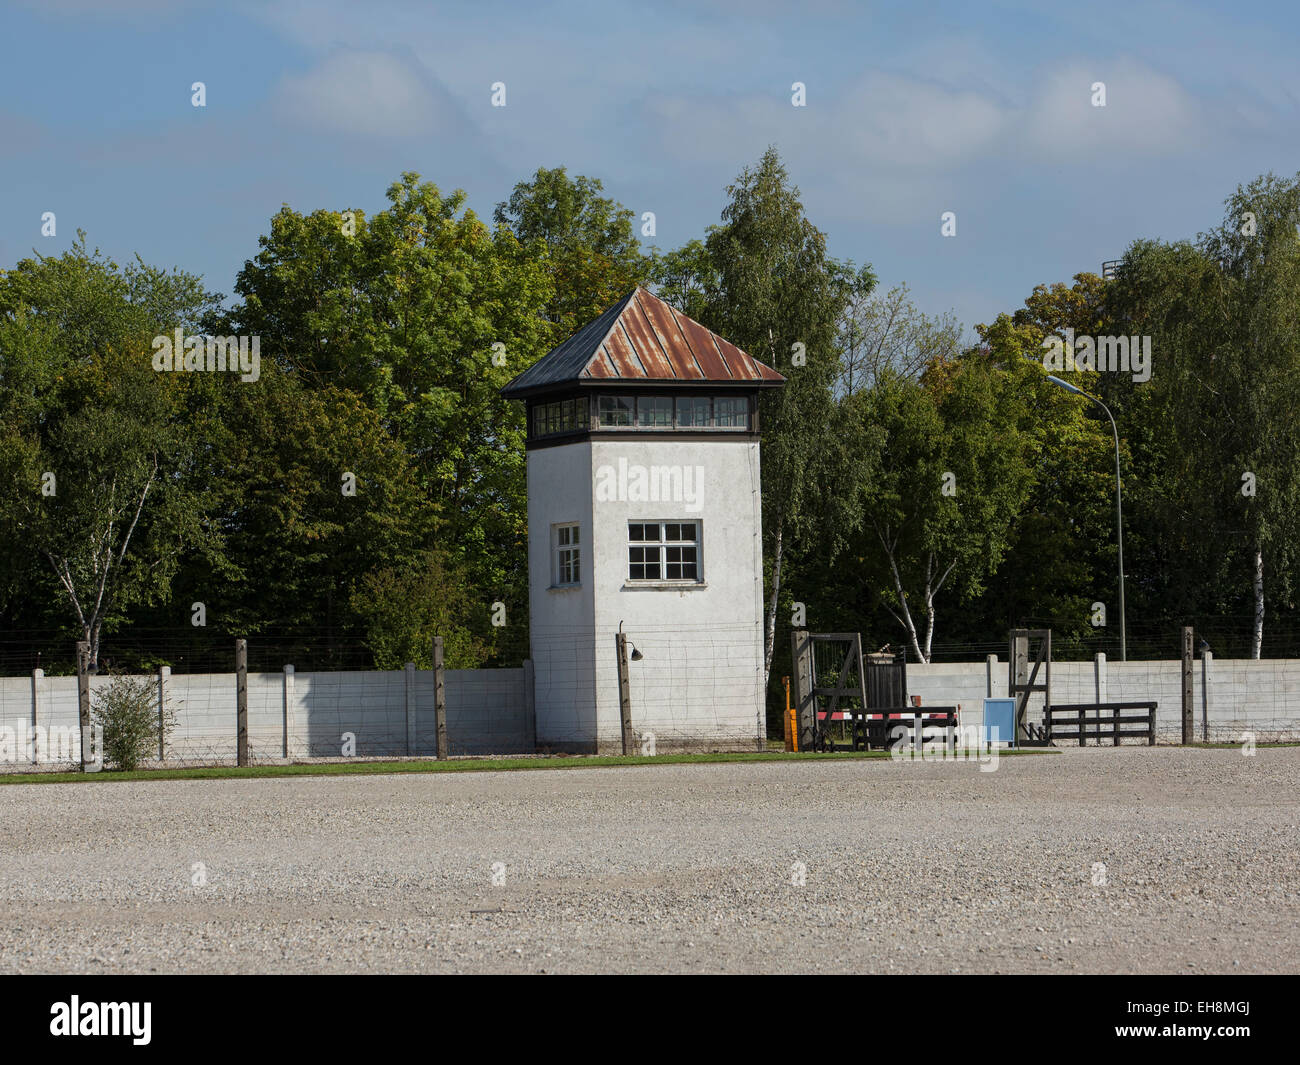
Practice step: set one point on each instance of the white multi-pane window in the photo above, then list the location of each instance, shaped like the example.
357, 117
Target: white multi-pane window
568, 554
663, 551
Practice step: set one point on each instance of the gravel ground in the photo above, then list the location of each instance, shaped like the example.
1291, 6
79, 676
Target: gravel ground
906, 867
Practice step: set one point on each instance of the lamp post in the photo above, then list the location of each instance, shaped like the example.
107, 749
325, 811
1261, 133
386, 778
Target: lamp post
1119, 508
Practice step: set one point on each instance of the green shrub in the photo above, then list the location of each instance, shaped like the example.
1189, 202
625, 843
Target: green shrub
127, 708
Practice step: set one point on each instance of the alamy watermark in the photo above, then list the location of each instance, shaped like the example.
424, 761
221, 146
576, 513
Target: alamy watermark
129, 1019
182, 354
1108, 353
632, 483
965, 743
24, 742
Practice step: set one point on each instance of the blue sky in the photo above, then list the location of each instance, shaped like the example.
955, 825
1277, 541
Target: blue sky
913, 109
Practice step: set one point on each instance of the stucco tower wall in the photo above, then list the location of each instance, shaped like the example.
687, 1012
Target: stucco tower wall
700, 683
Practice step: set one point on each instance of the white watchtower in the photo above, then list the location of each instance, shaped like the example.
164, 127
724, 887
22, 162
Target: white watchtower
644, 510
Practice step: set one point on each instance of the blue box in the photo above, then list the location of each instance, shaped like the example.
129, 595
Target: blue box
1000, 721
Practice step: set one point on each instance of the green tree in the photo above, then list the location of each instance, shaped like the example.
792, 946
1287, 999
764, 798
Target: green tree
777, 288
405, 608
1061, 554
955, 472
879, 333
586, 241
315, 497
425, 313
688, 279
96, 459
1224, 316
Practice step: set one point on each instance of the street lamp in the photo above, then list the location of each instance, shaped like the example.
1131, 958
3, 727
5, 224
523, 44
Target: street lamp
1119, 508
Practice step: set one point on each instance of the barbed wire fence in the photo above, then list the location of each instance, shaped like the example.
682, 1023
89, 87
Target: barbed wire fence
316, 694
694, 688
210, 649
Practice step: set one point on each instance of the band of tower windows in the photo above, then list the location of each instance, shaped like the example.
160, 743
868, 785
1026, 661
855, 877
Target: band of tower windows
643, 412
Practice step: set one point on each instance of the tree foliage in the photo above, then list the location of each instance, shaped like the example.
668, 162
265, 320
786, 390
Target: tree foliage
371, 482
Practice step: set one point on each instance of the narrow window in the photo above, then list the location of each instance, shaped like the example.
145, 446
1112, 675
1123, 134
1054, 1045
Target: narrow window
568, 554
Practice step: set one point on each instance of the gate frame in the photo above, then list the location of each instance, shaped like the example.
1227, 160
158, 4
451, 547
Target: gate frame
1021, 690
806, 689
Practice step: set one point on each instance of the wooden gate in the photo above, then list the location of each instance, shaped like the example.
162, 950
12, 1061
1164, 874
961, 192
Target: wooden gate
827, 666
832, 678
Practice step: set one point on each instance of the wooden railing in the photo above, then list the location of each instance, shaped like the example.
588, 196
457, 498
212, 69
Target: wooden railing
1100, 721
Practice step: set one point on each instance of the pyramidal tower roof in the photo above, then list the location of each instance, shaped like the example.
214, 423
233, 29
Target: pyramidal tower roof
641, 338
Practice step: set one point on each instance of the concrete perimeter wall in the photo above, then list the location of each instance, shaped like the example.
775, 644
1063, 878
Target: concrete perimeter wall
1262, 697
290, 715
490, 711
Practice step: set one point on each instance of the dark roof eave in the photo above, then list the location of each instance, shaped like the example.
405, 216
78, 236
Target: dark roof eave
637, 384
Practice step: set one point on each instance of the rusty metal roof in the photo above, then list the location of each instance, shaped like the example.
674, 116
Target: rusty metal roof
642, 338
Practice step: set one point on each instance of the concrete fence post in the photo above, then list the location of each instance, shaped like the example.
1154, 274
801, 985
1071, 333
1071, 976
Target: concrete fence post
1207, 671
410, 706
624, 693
1099, 676
37, 676
241, 702
990, 663
287, 697
83, 695
530, 704
440, 698
163, 673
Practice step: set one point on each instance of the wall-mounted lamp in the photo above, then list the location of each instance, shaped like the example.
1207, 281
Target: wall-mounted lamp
636, 655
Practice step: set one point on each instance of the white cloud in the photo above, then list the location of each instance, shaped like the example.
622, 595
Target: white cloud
889, 146
888, 119
915, 123
368, 93
1146, 112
